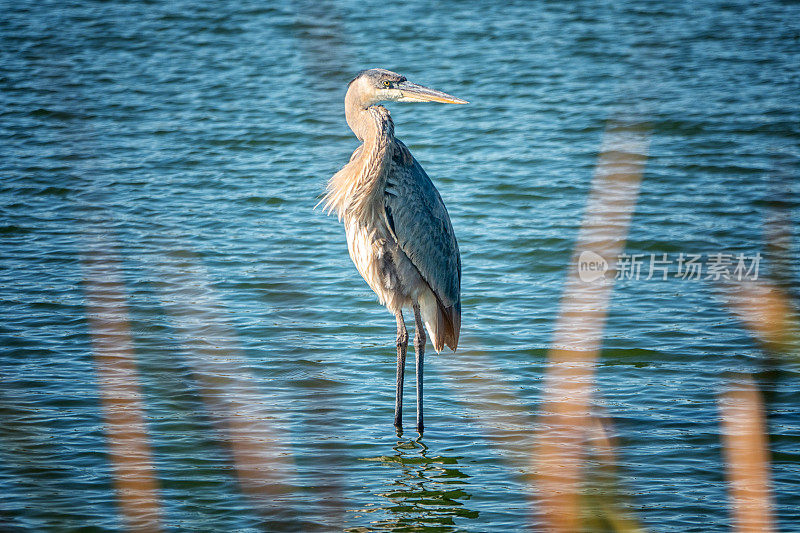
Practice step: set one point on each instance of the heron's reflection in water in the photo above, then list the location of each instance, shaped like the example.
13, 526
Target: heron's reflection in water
428, 492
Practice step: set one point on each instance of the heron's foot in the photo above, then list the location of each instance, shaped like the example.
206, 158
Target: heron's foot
398, 430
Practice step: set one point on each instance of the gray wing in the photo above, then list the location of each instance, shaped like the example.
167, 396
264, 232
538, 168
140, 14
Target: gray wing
419, 220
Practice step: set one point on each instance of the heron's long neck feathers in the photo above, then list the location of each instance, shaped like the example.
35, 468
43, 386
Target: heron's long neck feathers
354, 191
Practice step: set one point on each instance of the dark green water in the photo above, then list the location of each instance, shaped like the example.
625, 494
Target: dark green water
184, 145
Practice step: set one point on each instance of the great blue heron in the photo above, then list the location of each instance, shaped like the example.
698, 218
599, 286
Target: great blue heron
398, 231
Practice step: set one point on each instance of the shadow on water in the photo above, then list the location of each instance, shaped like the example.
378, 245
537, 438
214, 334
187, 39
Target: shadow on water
427, 493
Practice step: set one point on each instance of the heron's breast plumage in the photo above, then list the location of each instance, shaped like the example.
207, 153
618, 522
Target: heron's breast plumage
383, 264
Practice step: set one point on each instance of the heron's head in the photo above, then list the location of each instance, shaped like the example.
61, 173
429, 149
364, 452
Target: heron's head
380, 85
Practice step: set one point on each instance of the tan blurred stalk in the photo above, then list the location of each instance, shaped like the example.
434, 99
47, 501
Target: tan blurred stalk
747, 457
767, 309
118, 381
232, 394
565, 422
767, 312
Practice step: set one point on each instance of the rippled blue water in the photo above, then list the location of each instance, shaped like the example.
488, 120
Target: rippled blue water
172, 154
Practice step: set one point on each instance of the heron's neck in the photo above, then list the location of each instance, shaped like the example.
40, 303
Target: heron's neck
358, 188
370, 123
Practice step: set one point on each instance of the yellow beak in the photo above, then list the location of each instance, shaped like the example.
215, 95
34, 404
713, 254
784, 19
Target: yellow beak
417, 93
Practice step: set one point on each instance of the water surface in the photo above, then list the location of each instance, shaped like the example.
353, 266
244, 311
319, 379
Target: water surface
170, 156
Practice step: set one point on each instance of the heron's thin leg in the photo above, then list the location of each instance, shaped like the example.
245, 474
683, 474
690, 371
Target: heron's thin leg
402, 345
419, 351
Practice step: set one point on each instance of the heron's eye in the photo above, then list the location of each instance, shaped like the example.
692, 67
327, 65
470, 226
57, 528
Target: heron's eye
387, 84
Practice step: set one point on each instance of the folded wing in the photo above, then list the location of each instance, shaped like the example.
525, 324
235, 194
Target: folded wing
420, 222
